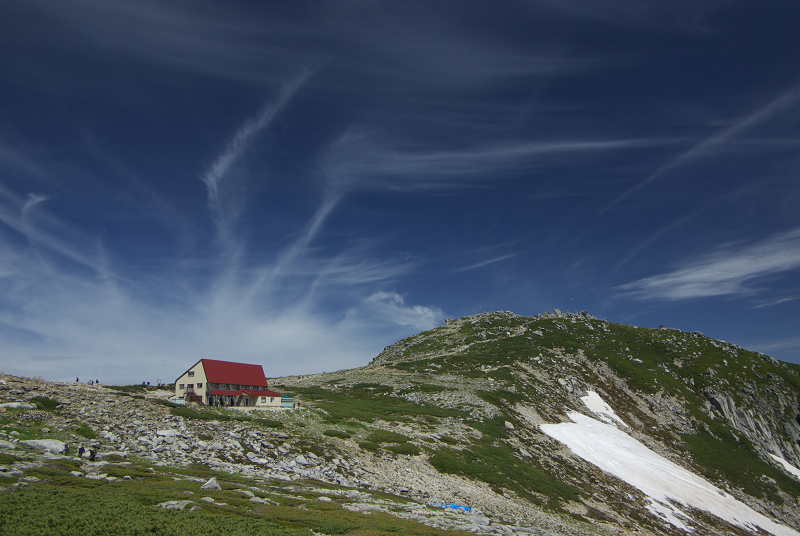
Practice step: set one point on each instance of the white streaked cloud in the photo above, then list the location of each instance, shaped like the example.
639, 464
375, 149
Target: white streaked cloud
729, 271
788, 100
356, 160
485, 262
219, 170
791, 343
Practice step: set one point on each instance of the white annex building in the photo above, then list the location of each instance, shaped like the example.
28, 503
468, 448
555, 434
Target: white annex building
223, 383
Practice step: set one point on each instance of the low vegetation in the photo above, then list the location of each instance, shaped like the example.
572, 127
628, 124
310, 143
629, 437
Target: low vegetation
62, 504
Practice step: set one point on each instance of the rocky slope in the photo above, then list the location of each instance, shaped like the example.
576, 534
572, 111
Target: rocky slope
455, 415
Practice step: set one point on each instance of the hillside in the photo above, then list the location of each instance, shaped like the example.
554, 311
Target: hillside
555, 424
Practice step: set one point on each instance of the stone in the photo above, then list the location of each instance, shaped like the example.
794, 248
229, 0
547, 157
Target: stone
168, 433
211, 484
477, 520
207, 500
301, 460
175, 505
7, 445
509, 426
17, 405
50, 445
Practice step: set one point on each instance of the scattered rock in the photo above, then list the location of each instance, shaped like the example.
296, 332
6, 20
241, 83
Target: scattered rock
17, 405
50, 445
175, 505
211, 484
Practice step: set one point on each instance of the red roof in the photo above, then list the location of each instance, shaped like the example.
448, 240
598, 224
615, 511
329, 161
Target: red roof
236, 373
261, 393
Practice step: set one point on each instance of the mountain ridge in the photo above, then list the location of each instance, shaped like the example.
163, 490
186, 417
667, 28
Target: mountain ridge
486, 411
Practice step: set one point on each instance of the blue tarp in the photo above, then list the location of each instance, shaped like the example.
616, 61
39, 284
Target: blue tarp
457, 507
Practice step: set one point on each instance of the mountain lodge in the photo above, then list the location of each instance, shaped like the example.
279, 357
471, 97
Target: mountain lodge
211, 382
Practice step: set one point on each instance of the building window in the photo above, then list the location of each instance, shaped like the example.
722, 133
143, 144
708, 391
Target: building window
263, 399
191, 374
180, 386
199, 385
271, 399
190, 386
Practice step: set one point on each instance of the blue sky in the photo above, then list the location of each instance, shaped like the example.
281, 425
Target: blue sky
301, 184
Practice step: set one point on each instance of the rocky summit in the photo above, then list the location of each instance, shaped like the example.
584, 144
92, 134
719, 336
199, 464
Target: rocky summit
494, 424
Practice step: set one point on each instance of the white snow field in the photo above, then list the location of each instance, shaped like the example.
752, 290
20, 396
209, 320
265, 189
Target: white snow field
667, 484
788, 466
599, 407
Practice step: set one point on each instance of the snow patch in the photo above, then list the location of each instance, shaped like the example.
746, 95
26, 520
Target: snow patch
598, 406
788, 466
670, 514
665, 482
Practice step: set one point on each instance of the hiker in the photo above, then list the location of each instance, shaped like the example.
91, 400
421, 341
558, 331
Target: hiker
77, 380
92, 454
66, 449
81, 451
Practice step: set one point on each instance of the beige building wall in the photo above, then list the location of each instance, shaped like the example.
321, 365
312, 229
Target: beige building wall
195, 376
268, 401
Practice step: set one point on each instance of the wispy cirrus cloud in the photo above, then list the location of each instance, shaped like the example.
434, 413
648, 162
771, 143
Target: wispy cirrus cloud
215, 175
729, 271
357, 160
486, 262
788, 100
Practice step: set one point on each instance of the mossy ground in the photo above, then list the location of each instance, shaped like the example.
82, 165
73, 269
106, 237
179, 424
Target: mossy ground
62, 504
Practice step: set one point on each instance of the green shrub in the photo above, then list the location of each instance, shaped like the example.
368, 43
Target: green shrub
7, 459
368, 445
384, 436
736, 461
268, 423
404, 448
337, 433
500, 469
167, 403
85, 431
365, 405
44, 403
